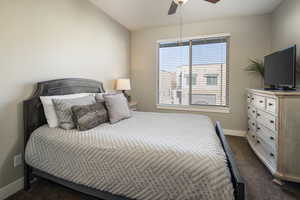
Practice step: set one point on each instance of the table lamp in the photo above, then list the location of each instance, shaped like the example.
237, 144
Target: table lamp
123, 85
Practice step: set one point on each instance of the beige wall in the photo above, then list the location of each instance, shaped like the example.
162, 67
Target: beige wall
250, 38
286, 27
42, 40
49, 39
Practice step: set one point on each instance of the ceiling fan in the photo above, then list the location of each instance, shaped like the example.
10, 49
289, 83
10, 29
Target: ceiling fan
175, 4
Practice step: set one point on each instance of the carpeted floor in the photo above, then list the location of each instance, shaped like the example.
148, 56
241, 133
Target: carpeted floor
258, 180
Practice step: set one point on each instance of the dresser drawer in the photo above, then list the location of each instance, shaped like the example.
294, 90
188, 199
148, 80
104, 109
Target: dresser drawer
259, 101
271, 105
249, 96
251, 99
252, 125
269, 154
266, 119
251, 112
251, 137
267, 135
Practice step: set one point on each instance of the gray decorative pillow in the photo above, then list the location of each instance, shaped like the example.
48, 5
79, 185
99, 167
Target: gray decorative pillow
64, 112
117, 106
89, 116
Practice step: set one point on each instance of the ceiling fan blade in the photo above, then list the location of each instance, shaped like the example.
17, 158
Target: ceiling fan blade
173, 8
212, 1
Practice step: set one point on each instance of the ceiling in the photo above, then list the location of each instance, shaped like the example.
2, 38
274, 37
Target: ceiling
139, 14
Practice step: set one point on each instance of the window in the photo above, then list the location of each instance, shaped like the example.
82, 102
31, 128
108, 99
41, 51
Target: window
212, 80
193, 73
194, 79
173, 73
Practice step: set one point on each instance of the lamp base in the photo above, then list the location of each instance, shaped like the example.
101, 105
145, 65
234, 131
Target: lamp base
126, 95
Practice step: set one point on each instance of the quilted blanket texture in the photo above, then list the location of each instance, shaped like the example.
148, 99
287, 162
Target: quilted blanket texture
151, 156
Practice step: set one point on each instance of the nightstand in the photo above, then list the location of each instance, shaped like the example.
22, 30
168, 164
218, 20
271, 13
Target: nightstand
133, 105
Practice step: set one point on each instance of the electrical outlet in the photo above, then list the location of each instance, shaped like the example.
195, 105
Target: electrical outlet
17, 160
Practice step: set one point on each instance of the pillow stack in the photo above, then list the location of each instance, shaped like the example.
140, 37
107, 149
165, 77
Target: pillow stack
84, 111
63, 108
49, 108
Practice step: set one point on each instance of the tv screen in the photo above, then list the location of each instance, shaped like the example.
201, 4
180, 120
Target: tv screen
280, 68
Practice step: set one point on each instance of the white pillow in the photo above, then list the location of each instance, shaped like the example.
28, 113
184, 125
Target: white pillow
49, 109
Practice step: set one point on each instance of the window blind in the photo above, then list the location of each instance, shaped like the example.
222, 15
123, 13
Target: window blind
194, 60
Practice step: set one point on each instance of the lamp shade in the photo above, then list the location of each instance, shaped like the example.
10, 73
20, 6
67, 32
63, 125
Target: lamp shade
123, 84
180, 1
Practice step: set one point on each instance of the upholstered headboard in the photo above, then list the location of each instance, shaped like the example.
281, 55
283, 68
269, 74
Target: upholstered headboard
33, 110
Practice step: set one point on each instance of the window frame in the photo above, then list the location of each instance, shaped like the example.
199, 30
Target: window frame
211, 76
196, 107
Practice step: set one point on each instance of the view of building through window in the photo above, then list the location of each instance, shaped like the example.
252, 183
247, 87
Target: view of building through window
201, 82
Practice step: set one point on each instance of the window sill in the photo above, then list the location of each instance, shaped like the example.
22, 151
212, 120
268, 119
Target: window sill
213, 109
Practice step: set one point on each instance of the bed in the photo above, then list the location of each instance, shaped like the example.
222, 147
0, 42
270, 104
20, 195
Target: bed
148, 156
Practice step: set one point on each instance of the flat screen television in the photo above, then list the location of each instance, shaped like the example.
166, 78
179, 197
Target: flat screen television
280, 69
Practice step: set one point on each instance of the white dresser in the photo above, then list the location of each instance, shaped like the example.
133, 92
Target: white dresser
274, 131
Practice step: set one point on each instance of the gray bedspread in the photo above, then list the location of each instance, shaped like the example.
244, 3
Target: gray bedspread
151, 156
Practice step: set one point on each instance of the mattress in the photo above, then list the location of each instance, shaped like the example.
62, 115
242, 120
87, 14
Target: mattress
151, 156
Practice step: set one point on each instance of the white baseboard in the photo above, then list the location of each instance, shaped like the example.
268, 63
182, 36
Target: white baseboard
11, 188
237, 133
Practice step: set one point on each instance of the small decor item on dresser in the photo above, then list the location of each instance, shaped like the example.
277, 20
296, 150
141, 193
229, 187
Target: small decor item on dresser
123, 85
117, 106
87, 117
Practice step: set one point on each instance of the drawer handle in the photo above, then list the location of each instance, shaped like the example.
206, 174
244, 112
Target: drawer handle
248, 129
253, 124
271, 154
252, 98
258, 128
253, 136
258, 115
272, 121
253, 111
248, 107
260, 101
270, 104
272, 138
258, 141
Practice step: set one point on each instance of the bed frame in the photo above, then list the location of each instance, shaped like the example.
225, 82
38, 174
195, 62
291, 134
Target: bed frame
34, 117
